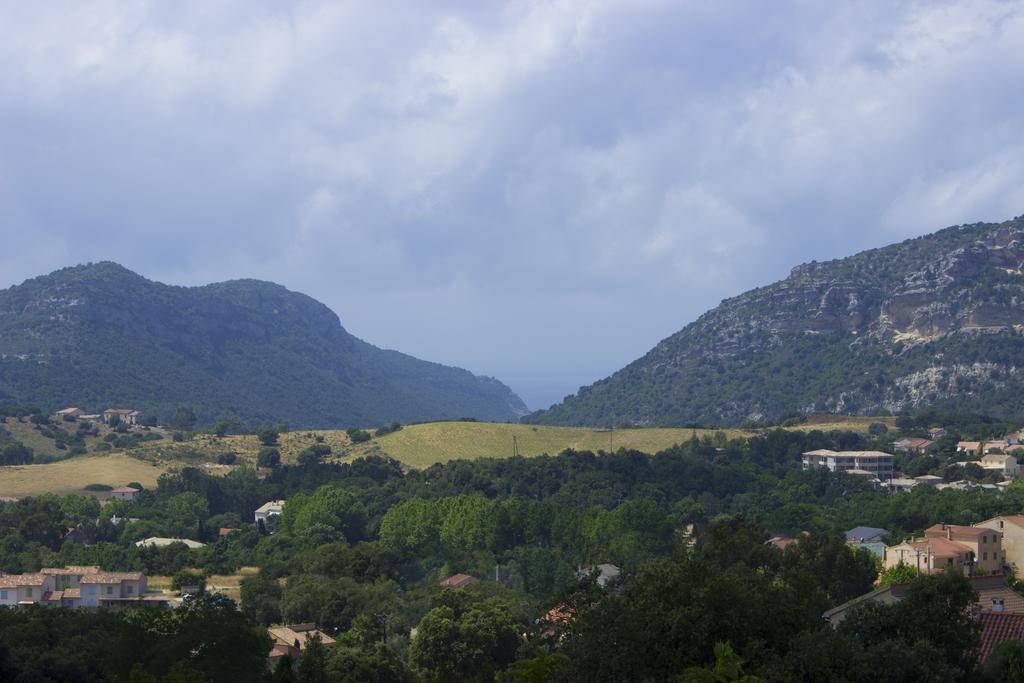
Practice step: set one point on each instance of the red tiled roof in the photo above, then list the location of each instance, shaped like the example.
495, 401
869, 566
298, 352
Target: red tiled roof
112, 577
15, 580
996, 628
955, 530
457, 581
66, 571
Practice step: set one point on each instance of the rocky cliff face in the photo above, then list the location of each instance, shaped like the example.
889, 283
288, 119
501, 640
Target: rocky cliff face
936, 320
100, 335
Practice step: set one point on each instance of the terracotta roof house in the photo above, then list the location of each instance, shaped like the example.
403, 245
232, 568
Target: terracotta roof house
949, 545
998, 628
457, 581
970, 447
912, 445
936, 433
1006, 465
69, 412
293, 639
1012, 529
123, 415
125, 493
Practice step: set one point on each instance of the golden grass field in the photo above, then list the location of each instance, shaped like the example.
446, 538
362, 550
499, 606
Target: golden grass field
71, 476
415, 446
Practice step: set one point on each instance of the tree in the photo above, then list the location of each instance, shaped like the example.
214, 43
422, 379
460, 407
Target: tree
358, 435
16, 454
267, 435
261, 599
313, 663
728, 668
184, 418
268, 457
899, 573
464, 642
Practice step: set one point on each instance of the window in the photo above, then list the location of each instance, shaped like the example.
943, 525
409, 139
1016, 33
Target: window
984, 539
110, 590
3, 595
28, 592
984, 556
128, 589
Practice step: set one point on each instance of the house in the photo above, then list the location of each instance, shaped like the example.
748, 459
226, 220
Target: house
268, 509
866, 534
109, 589
993, 598
877, 463
936, 433
225, 530
950, 545
782, 541
457, 581
912, 445
968, 447
159, 542
69, 412
1012, 529
1005, 465
122, 415
930, 479
606, 573
293, 639
900, 484
24, 589
990, 446
125, 493
996, 629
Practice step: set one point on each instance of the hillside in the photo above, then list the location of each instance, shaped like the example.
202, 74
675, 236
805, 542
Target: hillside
934, 321
98, 336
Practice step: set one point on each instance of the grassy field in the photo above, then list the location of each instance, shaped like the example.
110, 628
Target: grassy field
425, 444
416, 446
71, 476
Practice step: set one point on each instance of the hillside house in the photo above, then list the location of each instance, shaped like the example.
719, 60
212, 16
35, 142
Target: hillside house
457, 581
866, 534
968, 447
606, 573
877, 463
1005, 465
936, 433
122, 415
160, 542
1012, 529
912, 445
69, 412
292, 640
949, 545
125, 493
991, 446
108, 589
269, 509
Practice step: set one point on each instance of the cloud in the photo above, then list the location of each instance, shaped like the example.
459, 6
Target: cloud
533, 190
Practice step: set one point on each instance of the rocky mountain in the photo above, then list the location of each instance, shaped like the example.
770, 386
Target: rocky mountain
99, 335
936, 321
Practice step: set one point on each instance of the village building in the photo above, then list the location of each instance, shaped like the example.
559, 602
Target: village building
1005, 465
77, 586
122, 415
291, 641
912, 445
936, 433
866, 534
69, 412
125, 493
160, 542
457, 581
1012, 529
878, 463
269, 509
968, 447
949, 545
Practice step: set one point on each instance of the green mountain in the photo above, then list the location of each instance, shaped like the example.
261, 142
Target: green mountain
98, 336
936, 321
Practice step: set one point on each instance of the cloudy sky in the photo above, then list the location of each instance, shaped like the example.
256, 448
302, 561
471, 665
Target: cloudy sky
539, 191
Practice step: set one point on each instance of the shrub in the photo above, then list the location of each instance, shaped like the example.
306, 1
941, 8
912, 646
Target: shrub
98, 487
268, 457
101, 447
267, 435
228, 458
358, 435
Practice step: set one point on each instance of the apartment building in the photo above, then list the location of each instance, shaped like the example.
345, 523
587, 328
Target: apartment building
877, 463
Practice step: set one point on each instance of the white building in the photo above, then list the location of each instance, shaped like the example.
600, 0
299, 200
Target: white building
877, 463
269, 509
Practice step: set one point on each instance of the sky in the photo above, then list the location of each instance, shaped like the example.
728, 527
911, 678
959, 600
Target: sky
537, 191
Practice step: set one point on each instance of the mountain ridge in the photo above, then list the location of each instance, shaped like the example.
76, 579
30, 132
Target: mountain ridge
856, 335
100, 334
